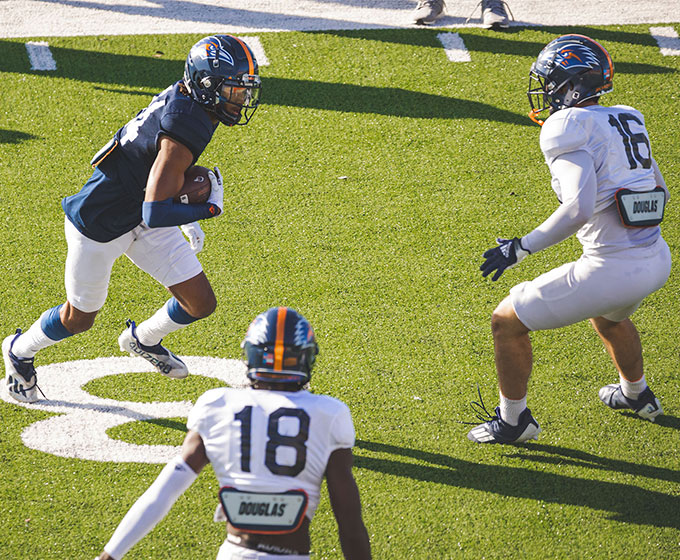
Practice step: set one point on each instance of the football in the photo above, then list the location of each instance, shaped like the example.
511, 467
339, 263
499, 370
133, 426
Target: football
196, 188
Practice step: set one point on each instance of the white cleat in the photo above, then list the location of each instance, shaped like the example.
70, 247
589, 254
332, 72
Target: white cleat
158, 356
19, 373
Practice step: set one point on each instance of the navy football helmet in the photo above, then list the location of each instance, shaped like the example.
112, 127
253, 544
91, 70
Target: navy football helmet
221, 73
569, 70
280, 347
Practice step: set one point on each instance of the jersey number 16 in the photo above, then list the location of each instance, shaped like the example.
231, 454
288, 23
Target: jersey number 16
632, 141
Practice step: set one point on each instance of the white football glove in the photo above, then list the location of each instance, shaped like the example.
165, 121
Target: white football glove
216, 189
195, 235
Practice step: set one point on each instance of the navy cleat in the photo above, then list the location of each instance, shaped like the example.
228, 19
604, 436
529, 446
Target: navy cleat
496, 430
22, 381
158, 356
646, 406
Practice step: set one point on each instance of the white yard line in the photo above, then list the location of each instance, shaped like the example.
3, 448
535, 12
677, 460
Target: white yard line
454, 47
667, 39
258, 50
40, 56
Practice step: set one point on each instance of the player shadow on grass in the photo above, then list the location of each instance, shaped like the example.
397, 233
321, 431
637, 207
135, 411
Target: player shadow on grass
556, 455
389, 101
15, 136
157, 73
498, 43
625, 503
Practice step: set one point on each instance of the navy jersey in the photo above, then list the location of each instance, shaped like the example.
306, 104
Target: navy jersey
110, 203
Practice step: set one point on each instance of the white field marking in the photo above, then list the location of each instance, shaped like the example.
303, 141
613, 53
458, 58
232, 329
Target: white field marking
667, 39
258, 50
454, 47
80, 430
40, 56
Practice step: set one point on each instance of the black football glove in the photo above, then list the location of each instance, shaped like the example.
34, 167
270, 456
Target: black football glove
507, 254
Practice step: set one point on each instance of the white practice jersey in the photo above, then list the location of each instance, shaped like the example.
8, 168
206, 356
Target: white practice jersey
618, 143
271, 441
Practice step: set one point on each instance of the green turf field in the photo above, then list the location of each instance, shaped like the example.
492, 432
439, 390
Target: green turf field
363, 194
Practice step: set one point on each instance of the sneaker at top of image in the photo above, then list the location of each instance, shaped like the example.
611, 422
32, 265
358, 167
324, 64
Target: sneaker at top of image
428, 11
22, 381
494, 14
646, 406
158, 356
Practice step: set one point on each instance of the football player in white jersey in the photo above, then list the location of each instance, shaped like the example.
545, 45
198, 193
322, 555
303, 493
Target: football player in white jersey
270, 446
612, 196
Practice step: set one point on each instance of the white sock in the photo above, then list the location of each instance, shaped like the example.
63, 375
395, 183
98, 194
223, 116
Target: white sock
511, 410
156, 327
34, 339
632, 389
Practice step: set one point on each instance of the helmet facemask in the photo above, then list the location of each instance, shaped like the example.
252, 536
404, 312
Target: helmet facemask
235, 101
538, 98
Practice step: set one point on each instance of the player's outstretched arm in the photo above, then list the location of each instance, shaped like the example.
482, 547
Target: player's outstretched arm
154, 504
346, 504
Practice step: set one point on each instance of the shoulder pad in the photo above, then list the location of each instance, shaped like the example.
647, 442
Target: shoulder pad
562, 133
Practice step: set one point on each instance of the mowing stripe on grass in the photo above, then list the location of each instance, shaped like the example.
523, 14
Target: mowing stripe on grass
40, 56
667, 39
454, 47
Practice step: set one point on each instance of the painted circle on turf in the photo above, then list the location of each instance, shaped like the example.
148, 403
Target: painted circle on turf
80, 430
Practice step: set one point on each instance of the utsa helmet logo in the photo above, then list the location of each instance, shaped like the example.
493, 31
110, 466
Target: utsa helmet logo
258, 329
303, 333
576, 56
215, 54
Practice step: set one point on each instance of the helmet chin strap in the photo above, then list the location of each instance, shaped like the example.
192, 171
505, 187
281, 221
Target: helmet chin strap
533, 115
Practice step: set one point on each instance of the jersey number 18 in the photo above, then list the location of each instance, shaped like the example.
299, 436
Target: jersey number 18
275, 440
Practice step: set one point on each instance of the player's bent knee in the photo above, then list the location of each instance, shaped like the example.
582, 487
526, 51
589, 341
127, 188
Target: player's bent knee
202, 308
76, 321
504, 321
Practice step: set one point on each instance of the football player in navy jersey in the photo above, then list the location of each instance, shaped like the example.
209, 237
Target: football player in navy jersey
270, 446
126, 207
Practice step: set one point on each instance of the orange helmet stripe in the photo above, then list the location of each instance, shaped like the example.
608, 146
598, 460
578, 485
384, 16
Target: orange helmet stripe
280, 333
251, 66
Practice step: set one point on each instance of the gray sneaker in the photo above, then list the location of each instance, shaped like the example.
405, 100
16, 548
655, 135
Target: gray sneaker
494, 15
427, 11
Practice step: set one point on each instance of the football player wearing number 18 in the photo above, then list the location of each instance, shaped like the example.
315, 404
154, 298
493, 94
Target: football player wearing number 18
270, 446
612, 197
127, 207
